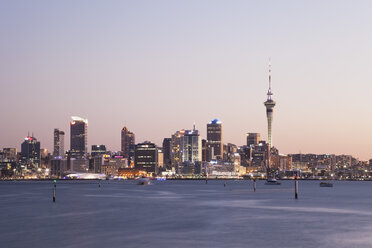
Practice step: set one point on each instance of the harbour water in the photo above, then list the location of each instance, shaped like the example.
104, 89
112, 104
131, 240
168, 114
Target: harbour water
185, 214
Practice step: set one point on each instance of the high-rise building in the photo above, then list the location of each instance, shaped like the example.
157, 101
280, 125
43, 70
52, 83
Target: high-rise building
191, 147
98, 150
45, 158
167, 152
269, 104
146, 157
58, 167
205, 151
160, 158
176, 157
10, 154
253, 139
214, 138
127, 139
229, 152
30, 153
79, 137
59, 143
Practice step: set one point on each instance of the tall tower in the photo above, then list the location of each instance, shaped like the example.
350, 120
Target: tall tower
30, 153
59, 143
127, 139
214, 138
269, 104
79, 137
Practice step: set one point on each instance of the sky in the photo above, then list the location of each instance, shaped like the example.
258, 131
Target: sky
159, 66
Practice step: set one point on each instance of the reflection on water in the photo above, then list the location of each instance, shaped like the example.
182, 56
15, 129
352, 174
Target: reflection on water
185, 213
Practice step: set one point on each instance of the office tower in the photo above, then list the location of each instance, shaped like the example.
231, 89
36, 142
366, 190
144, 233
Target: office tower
229, 152
98, 150
253, 139
127, 139
95, 164
214, 138
146, 157
79, 137
10, 154
245, 153
30, 153
45, 158
190, 146
269, 104
132, 147
58, 167
167, 152
160, 158
260, 155
205, 151
59, 143
176, 148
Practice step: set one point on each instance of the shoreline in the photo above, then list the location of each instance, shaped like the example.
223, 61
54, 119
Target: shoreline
183, 179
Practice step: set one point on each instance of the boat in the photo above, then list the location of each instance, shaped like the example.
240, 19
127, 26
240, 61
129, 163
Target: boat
272, 181
143, 181
326, 184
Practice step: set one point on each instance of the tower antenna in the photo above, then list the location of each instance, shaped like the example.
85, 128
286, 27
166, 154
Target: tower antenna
269, 93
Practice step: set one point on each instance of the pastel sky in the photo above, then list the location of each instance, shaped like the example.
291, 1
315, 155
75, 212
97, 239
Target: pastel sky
158, 66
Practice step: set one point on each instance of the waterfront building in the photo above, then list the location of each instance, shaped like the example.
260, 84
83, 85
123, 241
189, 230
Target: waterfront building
189, 168
79, 137
98, 150
131, 173
58, 167
45, 158
127, 139
95, 163
78, 164
253, 139
214, 138
59, 143
167, 153
30, 153
160, 158
281, 162
111, 165
269, 104
146, 157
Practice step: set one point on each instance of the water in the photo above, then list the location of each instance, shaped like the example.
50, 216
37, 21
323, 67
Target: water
185, 214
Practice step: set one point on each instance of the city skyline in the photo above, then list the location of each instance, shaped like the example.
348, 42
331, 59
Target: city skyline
128, 65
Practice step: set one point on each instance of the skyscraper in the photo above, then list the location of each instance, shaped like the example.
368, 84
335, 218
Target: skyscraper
253, 139
214, 138
146, 157
269, 104
190, 146
98, 150
30, 153
127, 139
167, 150
79, 137
59, 143
176, 155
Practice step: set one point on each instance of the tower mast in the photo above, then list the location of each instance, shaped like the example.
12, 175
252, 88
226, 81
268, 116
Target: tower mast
269, 104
